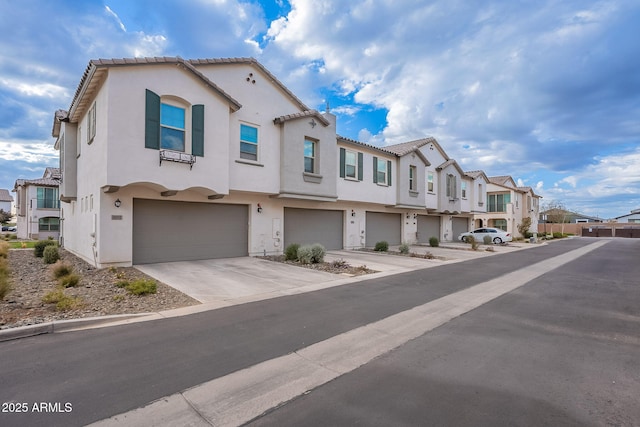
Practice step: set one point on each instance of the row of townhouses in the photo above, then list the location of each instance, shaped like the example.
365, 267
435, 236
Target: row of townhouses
166, 159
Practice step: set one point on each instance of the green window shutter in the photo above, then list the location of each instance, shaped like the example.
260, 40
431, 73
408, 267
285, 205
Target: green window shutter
389, 172
360, 161
197, 130
152, 121
375, 170
343, 155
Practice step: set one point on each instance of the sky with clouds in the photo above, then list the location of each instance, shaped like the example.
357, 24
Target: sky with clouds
546, 91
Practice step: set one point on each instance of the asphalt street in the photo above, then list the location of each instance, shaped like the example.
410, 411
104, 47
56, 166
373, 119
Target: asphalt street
562, 350
103, 372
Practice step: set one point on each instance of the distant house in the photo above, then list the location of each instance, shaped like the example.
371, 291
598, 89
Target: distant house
566, 217
633, 217
38, 206
5, 200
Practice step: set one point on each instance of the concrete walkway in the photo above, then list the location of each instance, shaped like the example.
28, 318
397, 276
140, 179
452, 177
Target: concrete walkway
237, 280
243, 395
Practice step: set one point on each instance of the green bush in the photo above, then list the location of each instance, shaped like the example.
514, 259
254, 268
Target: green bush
434, 242
311, 254
404, 248
142, 287
38, 248
291, 252
60, 269
69, 281
558, 235
50, 254
381, 246
486, 240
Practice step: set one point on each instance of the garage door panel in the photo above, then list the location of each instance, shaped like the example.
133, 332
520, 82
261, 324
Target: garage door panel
383, 226
428, 226
459, 226
166, 231
309, 226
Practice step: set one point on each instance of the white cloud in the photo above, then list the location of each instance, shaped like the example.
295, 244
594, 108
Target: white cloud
30, 152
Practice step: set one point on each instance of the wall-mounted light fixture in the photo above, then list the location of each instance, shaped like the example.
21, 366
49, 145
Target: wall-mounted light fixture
117, 203
259, 208
353, 213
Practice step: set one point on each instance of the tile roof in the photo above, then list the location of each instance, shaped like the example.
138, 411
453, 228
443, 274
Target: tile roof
302, 114
50, 178
408, 147
353, 141
5, 196
500, 180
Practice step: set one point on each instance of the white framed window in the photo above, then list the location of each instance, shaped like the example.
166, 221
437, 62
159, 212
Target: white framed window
351, 164
91, 124
172, 127
430, 182
382, 171
248, 142
463, 189
310, 155
412, 178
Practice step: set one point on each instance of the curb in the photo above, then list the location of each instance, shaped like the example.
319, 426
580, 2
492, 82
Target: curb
61, 326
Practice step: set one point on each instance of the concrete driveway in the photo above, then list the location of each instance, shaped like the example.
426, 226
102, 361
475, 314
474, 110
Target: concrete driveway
231, 281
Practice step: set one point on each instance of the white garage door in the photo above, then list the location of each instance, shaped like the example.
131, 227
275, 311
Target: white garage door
166, 231
383, 227
428, 227
309, 226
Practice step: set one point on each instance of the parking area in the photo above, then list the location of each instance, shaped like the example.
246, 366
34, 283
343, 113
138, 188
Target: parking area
229, 281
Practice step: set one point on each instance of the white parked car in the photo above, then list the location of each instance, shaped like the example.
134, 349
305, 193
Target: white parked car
497, 236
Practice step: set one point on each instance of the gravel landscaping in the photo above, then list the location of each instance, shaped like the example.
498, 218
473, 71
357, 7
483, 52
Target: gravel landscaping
96, 293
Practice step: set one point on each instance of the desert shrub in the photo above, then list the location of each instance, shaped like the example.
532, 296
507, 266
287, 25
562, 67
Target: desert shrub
50, 254
339, 263
142, 287
472, 241
291, 252
557, 235
13, 237
122, 283
53, 296
60, 269
404, 248
486, 240
38, 247
311, 254
528, 235
317, 253
381, 246
118, 298
69, 281
5, 284
434, 242
304, 254
4, 250
62, 301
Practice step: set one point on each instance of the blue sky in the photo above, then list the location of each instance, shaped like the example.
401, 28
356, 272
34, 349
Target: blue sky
546, 91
